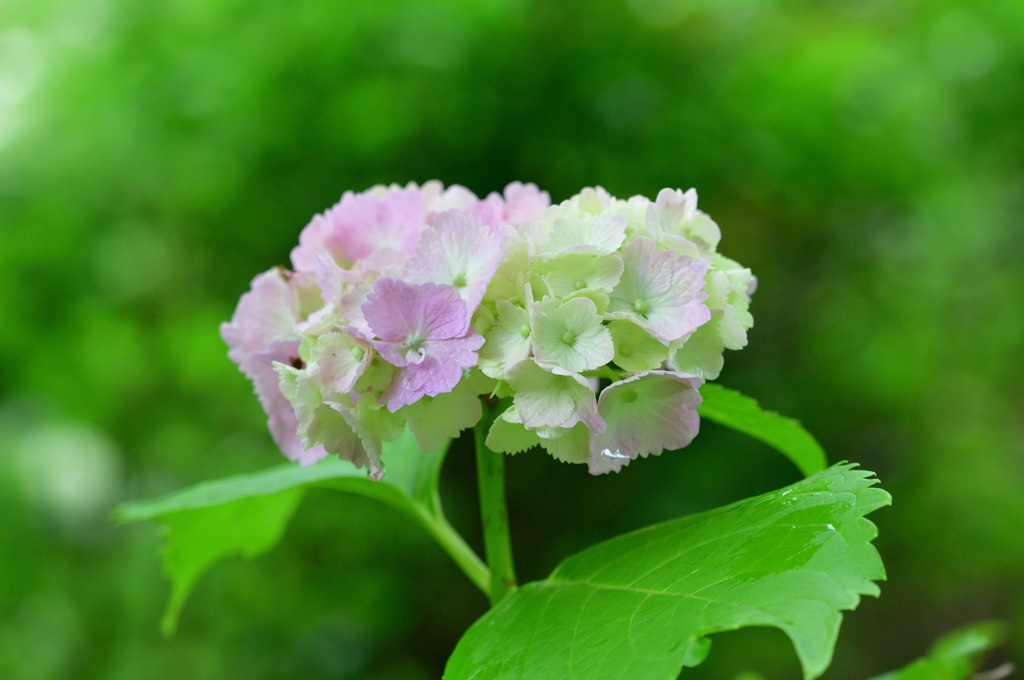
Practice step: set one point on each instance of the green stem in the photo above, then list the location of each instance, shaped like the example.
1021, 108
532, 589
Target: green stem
453, 544
490, 468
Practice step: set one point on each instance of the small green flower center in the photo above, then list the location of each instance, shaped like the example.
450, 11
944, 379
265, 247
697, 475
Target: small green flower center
568, 337
629, 396
413, 342
459, 281
524, 330
580, 285
640, 307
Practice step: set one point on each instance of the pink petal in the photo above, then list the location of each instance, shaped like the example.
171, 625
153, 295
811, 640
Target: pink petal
396, 310
264, 315
459, 251
490, 211
525, 202
361, 224
439, 372
281, 418
312, 243
455, 197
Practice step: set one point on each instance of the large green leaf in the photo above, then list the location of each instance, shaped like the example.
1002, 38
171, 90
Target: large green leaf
640, 605
732, 409
247, 514
954, 656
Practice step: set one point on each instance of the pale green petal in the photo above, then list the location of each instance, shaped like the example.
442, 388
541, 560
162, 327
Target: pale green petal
552, 397
509, 435
701, 353
304, 396
377, 377
716, 285
591, 200
635, 349
536, 288
703, 230
674, 217
569, 273
483, 319
329, 427
594, 346
570, 334
601, 233
436, 420
571, 446
537, 233
491, 368
728, 286
376, 421
634, 209
508, 280
372, 423
598, 297
289, 383
508, 340
307, 343
731, 329
669, 241
738, 320
502, 390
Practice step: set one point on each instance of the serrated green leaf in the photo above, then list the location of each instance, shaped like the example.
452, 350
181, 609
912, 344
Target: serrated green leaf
247, 514
954, 656
732, 409
640, 605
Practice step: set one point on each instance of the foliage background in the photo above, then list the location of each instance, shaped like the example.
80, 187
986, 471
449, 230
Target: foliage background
864, 157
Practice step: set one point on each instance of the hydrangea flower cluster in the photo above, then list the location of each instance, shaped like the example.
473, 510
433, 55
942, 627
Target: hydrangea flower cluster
595, 321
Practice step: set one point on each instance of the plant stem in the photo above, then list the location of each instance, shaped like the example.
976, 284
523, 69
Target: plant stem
451, 542
490, 470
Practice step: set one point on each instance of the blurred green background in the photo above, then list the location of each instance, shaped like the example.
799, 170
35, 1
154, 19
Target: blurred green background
864, 157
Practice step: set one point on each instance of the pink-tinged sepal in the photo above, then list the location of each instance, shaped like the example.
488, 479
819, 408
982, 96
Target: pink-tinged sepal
459, 251
660, 291
264, 315
646, 413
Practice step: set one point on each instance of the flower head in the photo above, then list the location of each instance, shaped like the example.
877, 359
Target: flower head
598, 317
